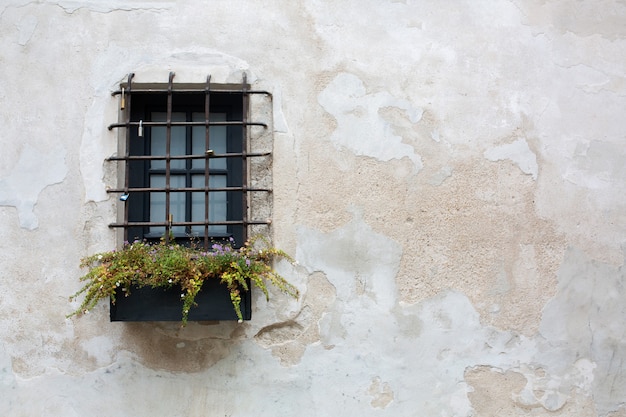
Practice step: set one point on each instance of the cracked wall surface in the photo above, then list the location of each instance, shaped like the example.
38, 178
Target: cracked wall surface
451, 179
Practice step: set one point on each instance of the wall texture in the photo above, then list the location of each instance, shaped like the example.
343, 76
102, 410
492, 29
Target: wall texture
450, 176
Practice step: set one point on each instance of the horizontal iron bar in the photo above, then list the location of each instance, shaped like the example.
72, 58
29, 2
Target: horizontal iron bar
199, 223
184, 124
185, 189
177, 157
136, 90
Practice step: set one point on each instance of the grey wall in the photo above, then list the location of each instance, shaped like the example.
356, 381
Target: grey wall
450, 177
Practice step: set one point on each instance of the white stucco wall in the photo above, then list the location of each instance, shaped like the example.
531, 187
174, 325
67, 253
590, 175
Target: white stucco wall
450, 176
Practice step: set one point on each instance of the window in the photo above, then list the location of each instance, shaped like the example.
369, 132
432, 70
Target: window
186, 160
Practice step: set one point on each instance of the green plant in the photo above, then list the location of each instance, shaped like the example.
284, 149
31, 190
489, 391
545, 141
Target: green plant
171, 264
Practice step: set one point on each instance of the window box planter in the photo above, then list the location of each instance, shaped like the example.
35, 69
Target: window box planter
167, 281
164, 304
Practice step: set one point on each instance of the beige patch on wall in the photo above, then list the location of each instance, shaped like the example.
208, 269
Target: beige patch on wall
381, 393
474, 229
465, 222
495, 393
478, 233
491, 392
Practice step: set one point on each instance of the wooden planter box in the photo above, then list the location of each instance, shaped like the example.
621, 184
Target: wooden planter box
159, 304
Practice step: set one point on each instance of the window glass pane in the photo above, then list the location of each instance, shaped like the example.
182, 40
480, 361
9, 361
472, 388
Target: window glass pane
157, 203
178, 144
217, 138
217, 204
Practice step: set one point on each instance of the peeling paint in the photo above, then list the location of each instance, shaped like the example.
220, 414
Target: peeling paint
450, 179
518, 152
360, 127
34, 171
288, 340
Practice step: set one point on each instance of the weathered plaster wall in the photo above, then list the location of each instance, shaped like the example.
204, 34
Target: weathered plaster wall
450, 176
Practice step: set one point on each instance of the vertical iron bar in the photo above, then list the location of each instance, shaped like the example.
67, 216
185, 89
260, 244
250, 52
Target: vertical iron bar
244, 155
207, 145
127, 105
188, 169
168, 140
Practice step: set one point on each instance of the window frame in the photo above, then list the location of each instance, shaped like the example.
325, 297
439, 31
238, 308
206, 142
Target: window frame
136, 104
140, 176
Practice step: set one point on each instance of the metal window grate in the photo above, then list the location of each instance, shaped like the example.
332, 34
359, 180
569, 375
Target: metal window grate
126, 93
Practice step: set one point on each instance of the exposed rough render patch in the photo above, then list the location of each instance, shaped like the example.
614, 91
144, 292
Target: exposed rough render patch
360, 127
34, 171
284, 332
518, 152
478, 232
491, 392
525, 392
381, 393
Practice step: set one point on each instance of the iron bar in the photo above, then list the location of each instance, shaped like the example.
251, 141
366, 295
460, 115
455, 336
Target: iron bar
207, 143
198, 223
168, 142
174, 124
186, 189
179, 157
139, 90
244, 150
127, 103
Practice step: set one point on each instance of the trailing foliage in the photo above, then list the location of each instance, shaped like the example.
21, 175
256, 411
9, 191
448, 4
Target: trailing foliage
170, 264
